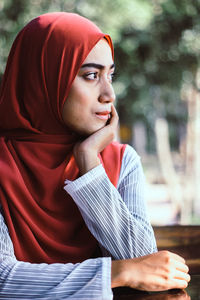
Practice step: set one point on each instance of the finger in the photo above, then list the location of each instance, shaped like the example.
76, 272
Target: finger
181, 266
178, 283
182, 275
114, 116
177, 257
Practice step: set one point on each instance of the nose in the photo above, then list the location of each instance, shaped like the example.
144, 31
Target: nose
107, 94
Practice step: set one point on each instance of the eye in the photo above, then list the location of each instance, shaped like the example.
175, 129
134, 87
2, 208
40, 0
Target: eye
112, 76
91, 75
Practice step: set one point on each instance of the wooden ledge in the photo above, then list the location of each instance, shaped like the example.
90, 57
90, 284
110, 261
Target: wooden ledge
183, 240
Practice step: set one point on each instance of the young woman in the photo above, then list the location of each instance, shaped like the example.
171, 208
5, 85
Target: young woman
73, 221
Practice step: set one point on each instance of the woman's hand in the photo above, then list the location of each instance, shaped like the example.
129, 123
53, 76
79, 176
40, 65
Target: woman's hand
155, 272
86, 152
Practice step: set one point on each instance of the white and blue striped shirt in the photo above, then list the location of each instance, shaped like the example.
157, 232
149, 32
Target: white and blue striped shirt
118, 220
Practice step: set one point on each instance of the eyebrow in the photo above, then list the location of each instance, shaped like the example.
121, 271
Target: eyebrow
96, 66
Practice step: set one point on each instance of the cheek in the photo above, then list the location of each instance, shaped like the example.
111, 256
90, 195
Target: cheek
79, 104
75, 111
82, 93
83, 97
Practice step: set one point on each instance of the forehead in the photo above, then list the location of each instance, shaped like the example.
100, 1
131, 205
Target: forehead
100, 53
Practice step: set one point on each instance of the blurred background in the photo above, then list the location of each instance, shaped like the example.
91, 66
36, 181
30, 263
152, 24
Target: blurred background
157, 54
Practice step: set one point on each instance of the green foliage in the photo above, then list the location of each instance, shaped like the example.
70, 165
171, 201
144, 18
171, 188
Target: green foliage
157, 44
156, 61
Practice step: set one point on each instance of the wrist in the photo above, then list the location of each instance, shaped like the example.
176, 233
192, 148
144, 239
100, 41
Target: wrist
125, 272
86, 161
88, 165
118, 277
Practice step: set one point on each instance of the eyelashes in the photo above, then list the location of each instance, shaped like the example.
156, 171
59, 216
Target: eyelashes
114, 75
90, 76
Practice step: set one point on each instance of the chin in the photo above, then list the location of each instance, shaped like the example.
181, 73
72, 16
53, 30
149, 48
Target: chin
88, 132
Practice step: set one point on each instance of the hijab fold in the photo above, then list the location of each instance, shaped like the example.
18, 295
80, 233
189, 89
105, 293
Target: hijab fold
44, 223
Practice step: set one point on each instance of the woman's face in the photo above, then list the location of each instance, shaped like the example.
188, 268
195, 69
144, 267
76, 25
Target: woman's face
88, 105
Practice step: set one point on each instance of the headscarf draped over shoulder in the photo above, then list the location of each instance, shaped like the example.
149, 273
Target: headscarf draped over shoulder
44, 223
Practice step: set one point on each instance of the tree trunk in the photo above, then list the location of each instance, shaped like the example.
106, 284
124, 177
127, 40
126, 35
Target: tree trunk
193, 150
167, 167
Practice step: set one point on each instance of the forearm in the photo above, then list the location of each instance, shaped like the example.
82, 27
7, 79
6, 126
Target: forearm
123, 234
87, 280
22, 280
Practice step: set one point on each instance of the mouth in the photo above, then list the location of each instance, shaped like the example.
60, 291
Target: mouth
103, 115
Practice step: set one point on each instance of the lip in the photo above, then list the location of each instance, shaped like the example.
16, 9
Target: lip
103, 115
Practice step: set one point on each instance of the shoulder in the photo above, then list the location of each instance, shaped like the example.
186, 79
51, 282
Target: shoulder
130, 156
123, 152
119, 160
131, 164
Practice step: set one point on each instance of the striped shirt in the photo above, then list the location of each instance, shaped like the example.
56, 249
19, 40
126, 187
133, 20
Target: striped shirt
117, 218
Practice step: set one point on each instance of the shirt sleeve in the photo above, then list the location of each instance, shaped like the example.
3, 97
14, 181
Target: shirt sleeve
90, 279
117, 217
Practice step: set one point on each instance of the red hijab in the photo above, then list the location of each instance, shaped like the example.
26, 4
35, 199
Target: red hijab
44, 223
